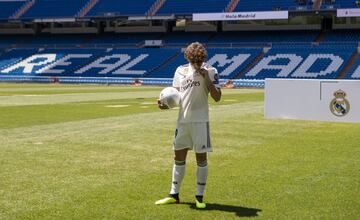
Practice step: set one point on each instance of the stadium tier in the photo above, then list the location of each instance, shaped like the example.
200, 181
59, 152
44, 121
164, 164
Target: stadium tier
229, 62
354, 72
280, 61
42, 9
15, 55
342, 36
190, 6
54, 9
124, 39
265, 37
321, 62
340, 3
120, 8
8, 8
268, 5
187, 37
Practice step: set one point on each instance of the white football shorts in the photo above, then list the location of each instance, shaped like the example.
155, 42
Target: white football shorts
193, 135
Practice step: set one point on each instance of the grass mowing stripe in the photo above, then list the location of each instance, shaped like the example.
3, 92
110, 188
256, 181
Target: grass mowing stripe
69, 98
62, 90
28, 115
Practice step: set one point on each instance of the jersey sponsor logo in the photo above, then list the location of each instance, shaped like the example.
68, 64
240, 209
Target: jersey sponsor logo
339, 106
188, 84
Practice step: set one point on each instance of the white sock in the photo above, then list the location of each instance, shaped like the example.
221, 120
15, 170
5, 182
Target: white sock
177, 176
202, 173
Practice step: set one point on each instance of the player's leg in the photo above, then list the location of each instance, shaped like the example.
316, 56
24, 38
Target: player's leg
178, 174
201, 175
201, 139
182, 144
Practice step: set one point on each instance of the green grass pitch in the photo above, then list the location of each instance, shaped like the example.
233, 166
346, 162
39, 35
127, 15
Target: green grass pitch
104, 152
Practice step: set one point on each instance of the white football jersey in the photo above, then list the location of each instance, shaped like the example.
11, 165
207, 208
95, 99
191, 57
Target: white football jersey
194, 93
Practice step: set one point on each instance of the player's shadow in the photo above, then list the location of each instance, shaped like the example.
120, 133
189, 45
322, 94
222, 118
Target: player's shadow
238, 210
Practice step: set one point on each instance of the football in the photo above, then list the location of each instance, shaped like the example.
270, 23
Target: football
170, 97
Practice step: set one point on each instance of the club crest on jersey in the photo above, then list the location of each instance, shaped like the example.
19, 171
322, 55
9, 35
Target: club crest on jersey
339, 106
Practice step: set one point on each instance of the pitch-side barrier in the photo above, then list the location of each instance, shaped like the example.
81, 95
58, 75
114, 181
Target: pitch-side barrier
123, 81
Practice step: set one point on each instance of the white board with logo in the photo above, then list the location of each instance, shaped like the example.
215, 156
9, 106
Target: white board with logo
310, 99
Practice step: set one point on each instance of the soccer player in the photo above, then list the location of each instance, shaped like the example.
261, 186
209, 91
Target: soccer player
194, 81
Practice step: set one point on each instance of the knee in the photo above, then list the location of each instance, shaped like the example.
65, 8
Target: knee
201, 160
180, 155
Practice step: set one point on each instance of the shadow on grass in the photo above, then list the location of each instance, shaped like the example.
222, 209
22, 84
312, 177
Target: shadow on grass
238, 210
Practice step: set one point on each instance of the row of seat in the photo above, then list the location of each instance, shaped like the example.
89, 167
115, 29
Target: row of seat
104, 8
247, 63
182, 38
354, 72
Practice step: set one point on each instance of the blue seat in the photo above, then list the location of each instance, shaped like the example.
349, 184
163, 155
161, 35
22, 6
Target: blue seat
8, 8
222, 59
298, 54
189, 6
268, 5
54, 9
120, 8
13, 56
354, 72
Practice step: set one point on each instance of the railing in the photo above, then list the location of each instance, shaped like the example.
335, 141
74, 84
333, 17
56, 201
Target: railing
237, 83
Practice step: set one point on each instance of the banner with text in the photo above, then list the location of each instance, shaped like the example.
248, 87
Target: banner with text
348, 12
259, 15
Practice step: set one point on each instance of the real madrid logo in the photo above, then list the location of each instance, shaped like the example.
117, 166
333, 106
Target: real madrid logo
339, 106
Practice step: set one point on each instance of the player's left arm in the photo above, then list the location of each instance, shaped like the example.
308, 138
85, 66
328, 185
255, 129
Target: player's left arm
212, 80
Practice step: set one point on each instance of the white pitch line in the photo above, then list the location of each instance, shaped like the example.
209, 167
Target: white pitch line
117, 106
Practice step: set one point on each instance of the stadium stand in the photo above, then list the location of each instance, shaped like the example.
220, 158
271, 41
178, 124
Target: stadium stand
8, 8
340, 3
342, 36
189, 6
54, 9
269, 5
297, 61
77, 57
354, 72
321, 62
41, 9
284, 56
228, 62
13, 56
247, 55
131, 39
11, 39
120, 8
58, 39
265, 37
133, 62
181, 38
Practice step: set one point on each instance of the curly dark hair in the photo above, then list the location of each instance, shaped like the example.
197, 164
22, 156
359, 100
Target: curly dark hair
196, 53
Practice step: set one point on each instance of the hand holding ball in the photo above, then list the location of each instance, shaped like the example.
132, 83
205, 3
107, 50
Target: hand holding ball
170, 97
